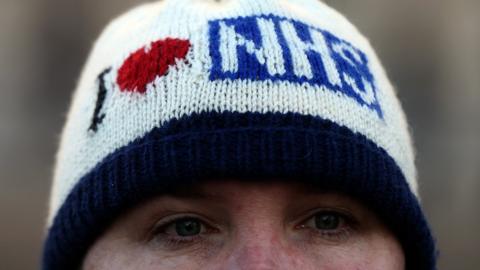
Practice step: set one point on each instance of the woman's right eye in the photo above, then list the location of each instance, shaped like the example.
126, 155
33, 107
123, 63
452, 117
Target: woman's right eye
186, 227
180, 232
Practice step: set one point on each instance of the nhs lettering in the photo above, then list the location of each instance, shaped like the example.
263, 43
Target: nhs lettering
269, 47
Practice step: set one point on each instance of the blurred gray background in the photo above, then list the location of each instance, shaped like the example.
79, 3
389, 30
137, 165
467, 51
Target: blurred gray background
430, 48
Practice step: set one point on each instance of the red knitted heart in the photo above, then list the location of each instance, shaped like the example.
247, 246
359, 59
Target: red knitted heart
142, 66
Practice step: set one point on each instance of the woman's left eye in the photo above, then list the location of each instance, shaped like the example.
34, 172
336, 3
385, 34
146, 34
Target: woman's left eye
328, 224
327, 221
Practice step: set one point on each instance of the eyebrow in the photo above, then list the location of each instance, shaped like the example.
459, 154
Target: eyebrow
194, 193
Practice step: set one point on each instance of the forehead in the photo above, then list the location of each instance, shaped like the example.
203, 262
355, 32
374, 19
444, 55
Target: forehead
230, 199
238, 190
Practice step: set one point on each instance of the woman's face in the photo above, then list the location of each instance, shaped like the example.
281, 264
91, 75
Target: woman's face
235, 225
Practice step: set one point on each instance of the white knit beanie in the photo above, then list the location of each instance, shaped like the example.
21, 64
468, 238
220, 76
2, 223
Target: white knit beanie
178, 91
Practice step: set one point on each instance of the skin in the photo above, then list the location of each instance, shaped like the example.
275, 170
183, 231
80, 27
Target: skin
254, 226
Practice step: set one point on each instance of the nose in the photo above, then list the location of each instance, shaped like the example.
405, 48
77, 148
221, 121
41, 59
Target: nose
261, 254
259, 257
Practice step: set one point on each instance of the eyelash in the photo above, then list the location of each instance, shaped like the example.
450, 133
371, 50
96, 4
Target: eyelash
175, 242
158, 233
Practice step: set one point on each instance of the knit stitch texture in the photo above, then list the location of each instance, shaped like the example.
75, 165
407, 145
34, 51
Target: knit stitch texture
178, 91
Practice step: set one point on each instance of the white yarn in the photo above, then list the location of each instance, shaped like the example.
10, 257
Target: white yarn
188, 89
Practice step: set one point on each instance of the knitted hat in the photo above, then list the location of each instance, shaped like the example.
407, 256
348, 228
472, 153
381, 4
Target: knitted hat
180, 90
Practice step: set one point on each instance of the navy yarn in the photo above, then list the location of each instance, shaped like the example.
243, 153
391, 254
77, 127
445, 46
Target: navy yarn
250, 68
212, 145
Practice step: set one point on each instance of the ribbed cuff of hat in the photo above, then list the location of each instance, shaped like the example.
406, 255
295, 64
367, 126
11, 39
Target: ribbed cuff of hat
289, 146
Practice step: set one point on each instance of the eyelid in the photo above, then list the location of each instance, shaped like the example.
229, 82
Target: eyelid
169, 220
349, 218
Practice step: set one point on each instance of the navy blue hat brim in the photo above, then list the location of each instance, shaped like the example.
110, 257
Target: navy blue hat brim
241, 145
